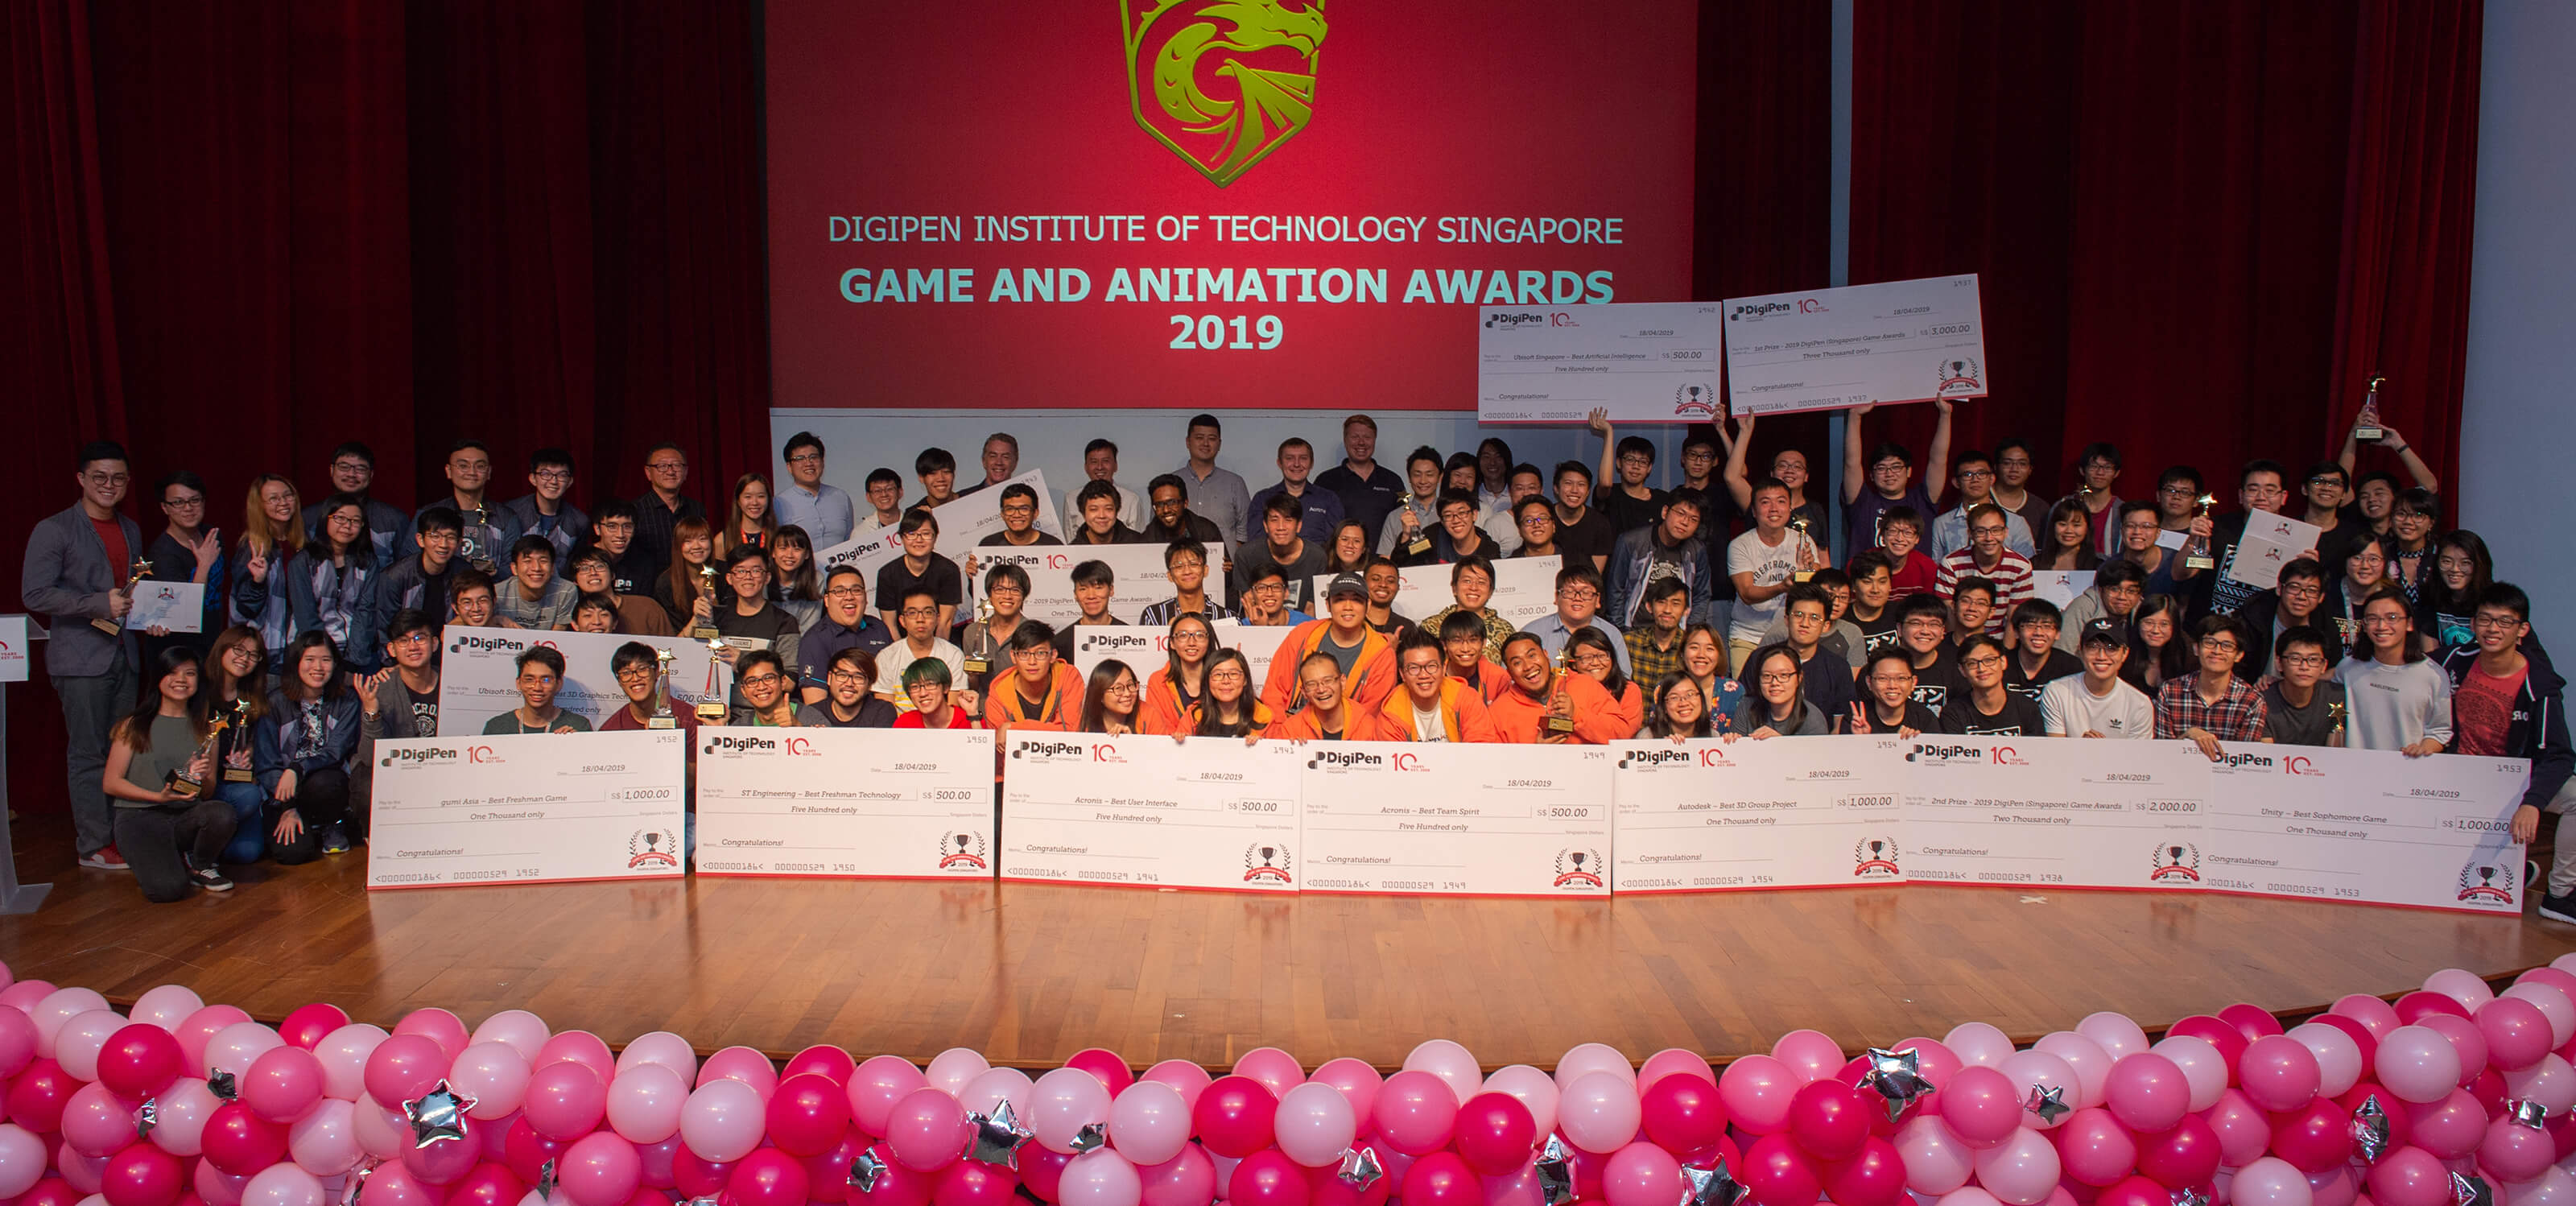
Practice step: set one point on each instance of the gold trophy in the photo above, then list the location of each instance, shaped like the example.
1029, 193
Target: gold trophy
1421, 542
482, 528
1806, 544
661, 717
2367, 429
706, 631
178, 780
2195, 552
980, 659
142, 568
1556, 695
2334, 711
711, 706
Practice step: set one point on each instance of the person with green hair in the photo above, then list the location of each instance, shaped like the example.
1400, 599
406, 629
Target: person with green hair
926, 683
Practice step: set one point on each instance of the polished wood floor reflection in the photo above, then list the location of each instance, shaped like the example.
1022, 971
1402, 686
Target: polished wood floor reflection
1032, 973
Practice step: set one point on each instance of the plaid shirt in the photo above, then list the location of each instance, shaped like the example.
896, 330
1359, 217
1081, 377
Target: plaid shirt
2239, 717
1647, 664
1497, 629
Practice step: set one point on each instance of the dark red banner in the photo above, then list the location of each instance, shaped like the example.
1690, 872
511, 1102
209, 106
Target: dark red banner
1220, 203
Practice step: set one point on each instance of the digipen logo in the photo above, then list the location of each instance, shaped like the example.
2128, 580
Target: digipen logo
1223, 83
2178, 862
1046, 751
738, 745
1875, 858
420, 757
1506, 322
1561, 318
1651, 759
484, 644
1757, 310
1341, 760
2240, 761
1944, 753
2300, 764
1116, 642
962, 850
1272, 866
1698, 401
2005, 755
2491, 886
1810, 305
1578, 868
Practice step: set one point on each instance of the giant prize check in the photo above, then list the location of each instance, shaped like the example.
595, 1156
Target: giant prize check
1829, 349
1208, 812
1478, 820
1706, 816
478, 677
1137, 578
848, 803
1645, 362
964, 522
539, 808
2054, 811
2370, 825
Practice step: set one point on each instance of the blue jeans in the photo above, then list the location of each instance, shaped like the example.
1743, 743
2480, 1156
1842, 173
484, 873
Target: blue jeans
249, 840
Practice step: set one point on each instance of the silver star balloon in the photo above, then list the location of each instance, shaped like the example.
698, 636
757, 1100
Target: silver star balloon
2370, 1129
437, 1116
1360, 1168
998, 1137
2523, 1112
358, 1179
865, 1170
546, 1181
147, 1117
1092, 1136
1555, 1167
2188, 1196
1897, 1076
2467, 1190
222, 1085
1711, 1186
2049, 1102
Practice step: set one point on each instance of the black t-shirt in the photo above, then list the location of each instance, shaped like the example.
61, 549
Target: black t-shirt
1917, 717
1627, 514
941, 578
1934, 684
1881, 633
1002, 539
874, 713
424, 710
1828, 684
2020, 718
1300, 574
2057, 665
1586, 538
1066, 636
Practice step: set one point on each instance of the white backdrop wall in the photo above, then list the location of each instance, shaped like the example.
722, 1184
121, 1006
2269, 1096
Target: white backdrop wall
1149, 442
2519, 426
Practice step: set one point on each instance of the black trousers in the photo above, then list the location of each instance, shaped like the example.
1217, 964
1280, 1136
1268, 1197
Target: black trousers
321, 800
153, 838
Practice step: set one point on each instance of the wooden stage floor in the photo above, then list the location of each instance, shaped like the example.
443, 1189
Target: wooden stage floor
1031, 973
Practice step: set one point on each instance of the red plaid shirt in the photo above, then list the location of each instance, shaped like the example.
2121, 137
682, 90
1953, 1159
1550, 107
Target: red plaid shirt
2238, 717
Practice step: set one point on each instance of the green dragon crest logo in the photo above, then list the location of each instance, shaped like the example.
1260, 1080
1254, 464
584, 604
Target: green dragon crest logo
1222, 82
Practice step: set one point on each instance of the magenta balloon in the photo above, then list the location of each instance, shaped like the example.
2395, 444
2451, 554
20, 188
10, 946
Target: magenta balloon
1875, 1177
402, 1068
1495, 1134
2511, 1152
2449, 1128
927, 1130
807, 1115
581, 1047
2147, 1093
2185, 1156
824, 1060
391, 1184
2094, 1148
18, 1043
565, 1100
1934, 1060
1757, 1090
140, 1060
1829, 1120
1682, 1113
1779, 1174
1642, 1174
2409, 1176
766, 1177
2377, 1015
438, 1026
2243, 1132
2517, 1033
2252, 1021
1982, 1107
1442, 1179
875, 1085
1415, 1111
1358, 1084
2278, 1072
444, 1162
142, 1175
1233, 1117
283, 1084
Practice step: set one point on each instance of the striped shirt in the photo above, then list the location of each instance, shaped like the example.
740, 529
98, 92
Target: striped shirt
2011, 576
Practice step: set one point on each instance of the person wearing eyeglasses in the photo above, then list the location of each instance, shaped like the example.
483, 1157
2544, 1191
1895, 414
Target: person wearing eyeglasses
1457, 537
1432, 705
1974, 474
1039, 691
2261, 488
1544, 705
546, 509
595, 576
2400, 701
1535, 519
1762, 563
1019, 509
424, 579
2508, 705
77, 563
2214, 703
2303, 705
1876, 478
2327, 499
332, 586
659, 510
1579, 596
752, 622
1364, 656
352, 470
1887, 699
2097, 473
917, 615
760, 687
639, 675
1778, 705
1987, 556
541, 677
1265, 599
807, 501
187, 550
1986, 708
850, 700
1112, 701
1323, 712
1923, 633
396, 702
612, 533
2300, 598
486, 530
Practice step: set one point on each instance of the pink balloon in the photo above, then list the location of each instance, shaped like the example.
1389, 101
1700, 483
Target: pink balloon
2409, 1176
564, 1100
2147, 1092
2467, 1041
1978, 1043
2114, 1033
808, 1115
951, 1069
2337, 1186
580, 1046
60, 1006
2416, 1064
660, 1047
183, 1108
2271, 1182
2094, 1148
875, 1085
2512, 1152
2517, 1033
1417, 1113
199, 1028
2339, 1063
1314, 1125
2378, 1015
494, 1074
438, 1026
1189, 1078
82, 1038
1757, 1090
2553, 1003
18, 1042
2449, 1128
1599, 1113
1188, 1179
217, 1187
824, 1060
1537, 1092
1809, 1054
2034, 1070
1982, 1106
603, 1170
2463, 987
381, 1133
1099, 1178
644, 1104
400, 1069
1277, 1070
742, 1064
140, 1059
22, 1157
1584, 1059
1107, 1066
2021, 1171
1673, 1060
283, 1084
522, 1031
325, 1141
1933, 1059
392, 1184
2092, 1065
995, 1086
1642, 1174
95, 1123
447, 1161
2279, 1072
282, 1185
2204, 1064
165, 1006
723, 1118
2243, 1132
2550, 1082
926, 1130
1936, 1162
1452, 1063
1149, 1124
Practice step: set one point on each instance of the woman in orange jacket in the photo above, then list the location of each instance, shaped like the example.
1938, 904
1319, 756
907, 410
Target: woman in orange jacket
1588, 651
1173, 691
1549, 706
1229, 708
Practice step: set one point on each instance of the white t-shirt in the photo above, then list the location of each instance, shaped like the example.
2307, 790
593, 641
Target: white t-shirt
1427, 726
894, 658
2071, 709
1770, 566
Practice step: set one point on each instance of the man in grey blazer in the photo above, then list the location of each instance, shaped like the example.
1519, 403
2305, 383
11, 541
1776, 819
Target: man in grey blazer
79, 562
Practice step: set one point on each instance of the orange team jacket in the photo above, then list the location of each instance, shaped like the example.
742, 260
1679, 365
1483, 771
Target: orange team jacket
1359, 725
1520, 719
1060, 713
1462, 713
1372, 674
1491, 679
1159, 710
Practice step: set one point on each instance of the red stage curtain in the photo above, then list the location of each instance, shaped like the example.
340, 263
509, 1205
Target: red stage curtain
2170, 205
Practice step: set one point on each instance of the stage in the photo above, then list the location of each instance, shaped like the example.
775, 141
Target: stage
1031, 973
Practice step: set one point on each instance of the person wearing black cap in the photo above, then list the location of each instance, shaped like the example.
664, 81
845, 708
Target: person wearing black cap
1366, 656
2097, 703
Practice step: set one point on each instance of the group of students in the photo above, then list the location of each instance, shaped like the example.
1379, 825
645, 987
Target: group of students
1708, 609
